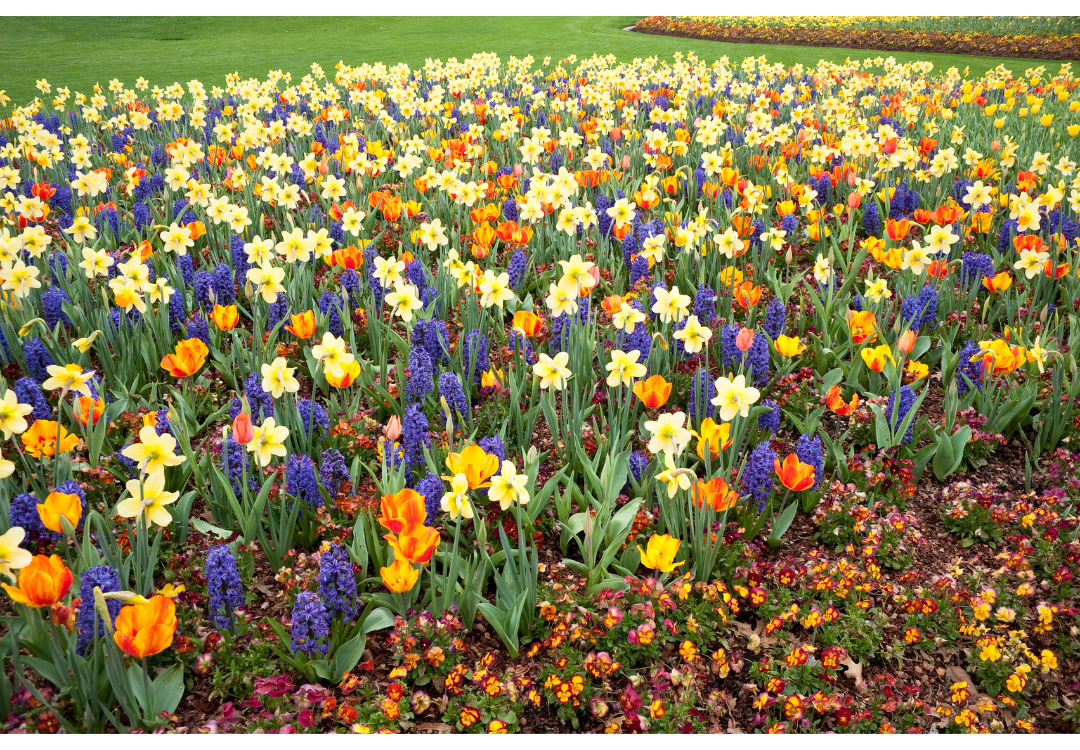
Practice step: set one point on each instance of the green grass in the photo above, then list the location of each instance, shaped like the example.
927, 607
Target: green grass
78, 52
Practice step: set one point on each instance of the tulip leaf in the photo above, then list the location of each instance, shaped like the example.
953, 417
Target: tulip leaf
378, 619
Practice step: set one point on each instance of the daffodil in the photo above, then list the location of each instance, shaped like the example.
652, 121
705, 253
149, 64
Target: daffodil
404, 300
153, 452
267, 281
508, 487
333, 353
12, 556
268, 441
68, 378
627, 317
456, 501
576, 274
20, 279
148, 497
13, 414
675, 479
734, 397
388, 271
693, 335
670, 305
561, 300
624, 368
668, 433
278, 378
1031, 262
553, 371
95, 262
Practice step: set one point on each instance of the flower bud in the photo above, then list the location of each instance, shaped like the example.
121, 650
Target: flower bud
744, 339
907, 341
242, 429
393, 428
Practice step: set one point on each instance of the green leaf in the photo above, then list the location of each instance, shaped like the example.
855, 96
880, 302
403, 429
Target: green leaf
348, 655
378, 619
168, 689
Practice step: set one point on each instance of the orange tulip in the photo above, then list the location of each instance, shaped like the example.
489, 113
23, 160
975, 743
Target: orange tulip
42, 583
189, 358
716, 493
225, 317
998, 358
146, 629
401, 510
303, 325
399, 577
897, 230
88, 410
530, 323
907, 341
654, 391
744, 339
59, 504
242, 429
863, 326
197, 228
348, 375
347, 257
40, 439
612, 303
747, 295
483, 235
416, 543
875, 357
475, 464
794, 474
837, 405
999, 283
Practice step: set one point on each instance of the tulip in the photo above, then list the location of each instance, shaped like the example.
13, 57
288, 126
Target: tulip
303, 325
415, 543
907, 341
794, 474
57, 505
401, 510
654, 391
660, 553
42, 583
393, 428
863, 326
529, 323
88, 410
999, 283
475, 464
744, 339
242, 429
225, 317
789, 346
874, 357
713, 436
716, 493
837, 405
189, 358
400, 576
146, 629
40, 439
349, 371
897, 230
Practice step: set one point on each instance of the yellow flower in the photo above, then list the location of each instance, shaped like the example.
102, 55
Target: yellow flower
153, 452
456, 501
624, 368
553, 372
734, 397
474, 464
508, 487
268, 441
148, 497
278, 378
12, 414
660, 553
69, 378
333, 354
789, 346
12, 556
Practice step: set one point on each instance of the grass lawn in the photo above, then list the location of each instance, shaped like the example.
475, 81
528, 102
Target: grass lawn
78, 52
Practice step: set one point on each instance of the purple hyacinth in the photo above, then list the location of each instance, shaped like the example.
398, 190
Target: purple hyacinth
494, 446
431, 489
222, 283
332, 470
301, 480
310, 625
705, 305
52, 305
337, 583
775, 315
414, 436
809, 450
88, 619
420, 382
769, 420
198, 328
38, 359
223, 586
450, 389
311, 421
23, 512
757, 475
29, 392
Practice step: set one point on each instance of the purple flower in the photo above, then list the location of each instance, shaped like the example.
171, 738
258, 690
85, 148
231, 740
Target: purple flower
420, 383
431, 489
88, 619
414, 436
337, 583
450, 389
757, 475
810, 451
310, 626
223, 586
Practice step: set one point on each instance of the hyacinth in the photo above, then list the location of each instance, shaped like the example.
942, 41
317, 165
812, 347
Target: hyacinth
309, 630
775, 315
260, 402
414, 436
810, 451
896, 414
702, 392
29, 392
450, 389
277, 312
973, 370
310, 421
920, 309
493, 445
729, 352
204, 282
223, 586
975, 267
474, 355
757, 475
198, 328
757, 358
301, 480
639, 269
88, 619
177, 315
52, 307
705, 305
420, 383
332, 470
872, 220
23, 512
222, 282
432, 335
235, 461
337, 583
38, 359
770, 420
431, 488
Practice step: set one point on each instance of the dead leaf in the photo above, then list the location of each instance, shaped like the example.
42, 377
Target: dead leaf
955, 674
854, 670
432, 726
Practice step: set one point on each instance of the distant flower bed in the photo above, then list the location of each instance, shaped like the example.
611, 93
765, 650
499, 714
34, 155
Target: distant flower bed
1036, 37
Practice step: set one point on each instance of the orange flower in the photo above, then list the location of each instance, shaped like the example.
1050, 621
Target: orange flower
715, 437
530, 323
716, 493
612, 304
189, 358
42, 583
747, 295
999, 358
347, 257
416, 543
505, 230
897, 230
400, 577
40, 439
836, 403
875, 356
60, 504
483, 235
490, 212
390, 206
412, 208
475, 464
863, 326
348, 375
88, 410
907, 341
794, 474
654, 391
401, 510
303, 325
197, 228
999, 283
225, 317
146, 629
